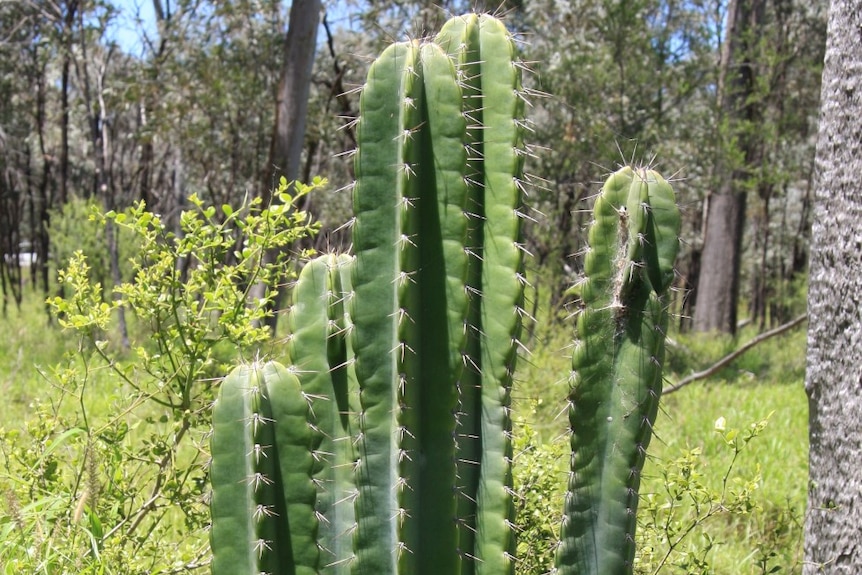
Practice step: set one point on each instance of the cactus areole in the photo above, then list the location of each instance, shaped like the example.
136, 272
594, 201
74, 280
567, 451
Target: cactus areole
385, 445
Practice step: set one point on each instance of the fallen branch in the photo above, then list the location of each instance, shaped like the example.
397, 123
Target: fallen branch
733, 355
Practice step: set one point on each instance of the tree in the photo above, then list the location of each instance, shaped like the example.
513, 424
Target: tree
721, 260
291, 111
292, 100
833, 526
628, 81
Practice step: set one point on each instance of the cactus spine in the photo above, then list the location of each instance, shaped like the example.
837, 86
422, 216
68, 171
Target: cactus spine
617, 368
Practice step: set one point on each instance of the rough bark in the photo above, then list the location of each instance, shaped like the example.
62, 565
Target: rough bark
718, 282
833, 529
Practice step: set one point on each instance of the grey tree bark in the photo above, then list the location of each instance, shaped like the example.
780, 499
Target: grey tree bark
291, 109
833, 527
718, 280
291, 113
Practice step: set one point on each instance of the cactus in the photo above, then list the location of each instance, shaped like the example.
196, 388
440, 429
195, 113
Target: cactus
616, 376
431, 348
323, 362
385, 446
263, 496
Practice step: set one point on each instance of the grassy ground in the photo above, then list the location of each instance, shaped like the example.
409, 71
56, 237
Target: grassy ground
27, 347
766, 383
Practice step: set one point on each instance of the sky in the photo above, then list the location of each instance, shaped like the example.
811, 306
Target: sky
134, 16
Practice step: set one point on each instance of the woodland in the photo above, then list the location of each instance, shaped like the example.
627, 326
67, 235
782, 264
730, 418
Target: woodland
118, 119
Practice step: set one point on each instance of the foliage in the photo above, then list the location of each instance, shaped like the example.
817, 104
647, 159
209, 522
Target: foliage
687, 502
686, 423
110, 474
192, 112
691, 509
73, 230
539, 474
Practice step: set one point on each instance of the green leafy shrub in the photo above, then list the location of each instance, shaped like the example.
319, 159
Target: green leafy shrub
74, 230
109, 475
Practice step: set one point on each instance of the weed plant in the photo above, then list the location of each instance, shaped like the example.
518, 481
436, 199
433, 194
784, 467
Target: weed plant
105, 471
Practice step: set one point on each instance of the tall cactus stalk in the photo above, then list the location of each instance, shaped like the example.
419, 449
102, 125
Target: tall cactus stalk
385, 448
494, 106
617, 368
322, 359
432, 309
408, 147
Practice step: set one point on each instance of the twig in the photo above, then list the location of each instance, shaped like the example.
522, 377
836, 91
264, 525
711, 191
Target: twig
736, 353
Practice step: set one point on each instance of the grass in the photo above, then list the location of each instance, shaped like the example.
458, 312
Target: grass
764, 383
28, 348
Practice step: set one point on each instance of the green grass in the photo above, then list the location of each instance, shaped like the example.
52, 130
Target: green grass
28, 347
765, 382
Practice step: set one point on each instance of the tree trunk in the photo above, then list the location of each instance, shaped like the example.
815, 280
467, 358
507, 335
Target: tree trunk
68, 26
291, 111
718, 282
833, 528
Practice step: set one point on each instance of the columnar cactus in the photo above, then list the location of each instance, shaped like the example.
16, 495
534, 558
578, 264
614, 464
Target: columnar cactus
385, 447
263, 515
616, 376
431, 332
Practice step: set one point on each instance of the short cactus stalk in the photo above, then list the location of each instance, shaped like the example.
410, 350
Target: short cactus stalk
263, 516
385, 446
617, 368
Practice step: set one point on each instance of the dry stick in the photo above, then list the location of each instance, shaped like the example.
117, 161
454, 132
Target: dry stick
731, 356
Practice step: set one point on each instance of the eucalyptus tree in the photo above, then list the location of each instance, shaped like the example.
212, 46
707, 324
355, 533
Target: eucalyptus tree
833, 525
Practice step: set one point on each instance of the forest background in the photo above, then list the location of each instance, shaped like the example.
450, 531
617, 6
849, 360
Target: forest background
177, 105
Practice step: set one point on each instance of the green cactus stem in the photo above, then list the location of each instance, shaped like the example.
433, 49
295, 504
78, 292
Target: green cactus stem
490, 77
617, 368
263, 518
322, 359
435, 348
401, 357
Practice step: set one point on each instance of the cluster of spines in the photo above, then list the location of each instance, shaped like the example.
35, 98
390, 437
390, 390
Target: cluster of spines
617, 368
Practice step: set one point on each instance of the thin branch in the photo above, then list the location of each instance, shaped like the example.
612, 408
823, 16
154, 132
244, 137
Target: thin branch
733, 355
